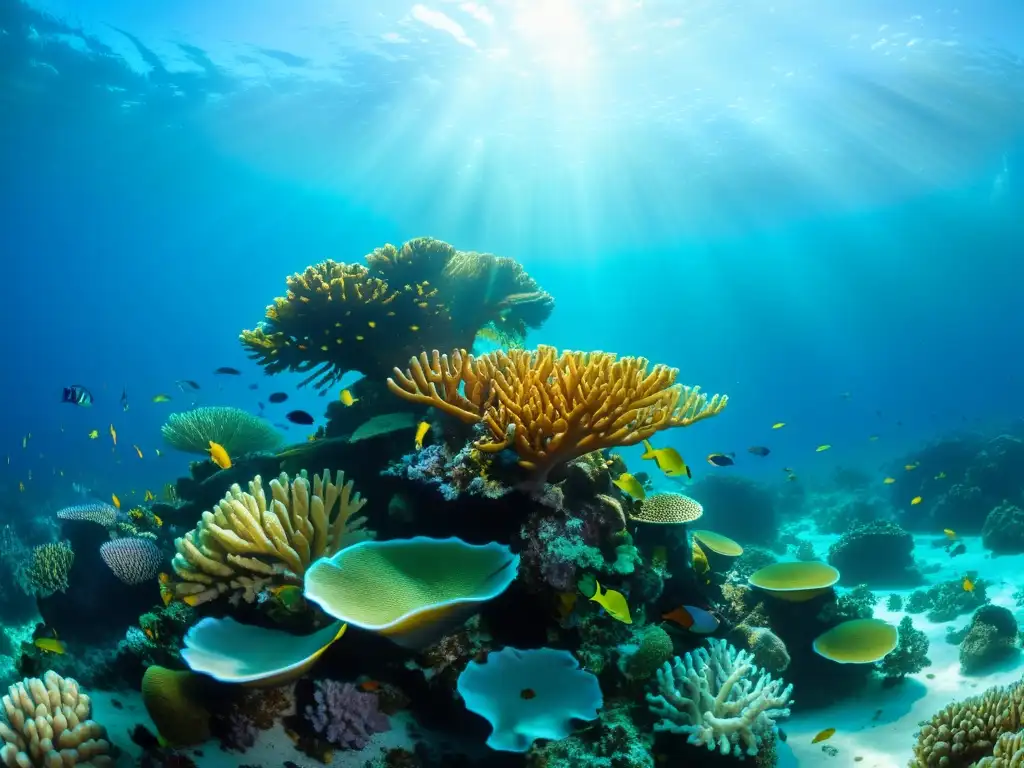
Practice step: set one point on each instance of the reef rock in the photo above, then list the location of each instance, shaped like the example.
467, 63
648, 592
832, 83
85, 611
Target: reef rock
1003, 532
876, 554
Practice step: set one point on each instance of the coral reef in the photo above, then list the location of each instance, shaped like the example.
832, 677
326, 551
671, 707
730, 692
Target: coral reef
910, 655
47, 569
613, 742
1008, 752
238, 431
246, 543
48, 725
340, 317
966, 731
133, 560
876, 553
651, 650
345, 716
946, 601
990, 638
1003, 531
552, 408
720, 699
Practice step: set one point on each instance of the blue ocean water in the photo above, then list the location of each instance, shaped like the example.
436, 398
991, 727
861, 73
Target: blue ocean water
815, 208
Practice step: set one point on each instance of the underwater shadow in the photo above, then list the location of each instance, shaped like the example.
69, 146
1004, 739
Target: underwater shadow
887, 703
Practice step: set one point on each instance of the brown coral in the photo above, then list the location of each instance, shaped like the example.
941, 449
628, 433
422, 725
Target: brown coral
550, 407
339, 317
966, 731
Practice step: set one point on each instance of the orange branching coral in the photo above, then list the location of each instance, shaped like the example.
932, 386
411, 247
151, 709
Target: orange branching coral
552, 408
340, 317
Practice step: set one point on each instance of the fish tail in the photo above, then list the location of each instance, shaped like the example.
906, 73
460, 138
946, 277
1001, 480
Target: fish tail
648, 450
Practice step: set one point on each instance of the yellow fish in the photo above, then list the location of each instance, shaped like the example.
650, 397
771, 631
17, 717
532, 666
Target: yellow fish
21, 486
566, 604
117, 501
49, 644
421, 432
915, 501
909, 467
668, 460
613, 602
138, 450
289, 595
778, 425
940, 476
346, 398
161, 398
219, 456
889, 480
824, 735
24, 442
872, 437
158, 521
824, 447
113, 434
148, 496
94, 434
950, 533
629, 484
166, 593
701, 566
968, 585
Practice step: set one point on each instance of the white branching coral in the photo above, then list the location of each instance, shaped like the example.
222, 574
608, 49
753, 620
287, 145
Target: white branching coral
720, 699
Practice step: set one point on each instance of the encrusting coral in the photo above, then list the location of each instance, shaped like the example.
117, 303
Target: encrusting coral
48, 726
552, 407
247, 543
340, 317
720, 699
237, 431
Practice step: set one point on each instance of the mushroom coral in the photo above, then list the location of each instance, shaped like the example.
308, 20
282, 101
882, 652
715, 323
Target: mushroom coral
338, 317
248, 542
550, 407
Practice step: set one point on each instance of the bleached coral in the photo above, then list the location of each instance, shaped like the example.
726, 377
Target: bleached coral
720, 699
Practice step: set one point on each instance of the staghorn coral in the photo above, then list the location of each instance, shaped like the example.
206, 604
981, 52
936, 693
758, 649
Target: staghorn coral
48, 726
238, 431
553, 408
720, 699
248, 542
339, 317
966, 731
47, 569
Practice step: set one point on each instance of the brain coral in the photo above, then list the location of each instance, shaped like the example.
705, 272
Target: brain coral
966, 731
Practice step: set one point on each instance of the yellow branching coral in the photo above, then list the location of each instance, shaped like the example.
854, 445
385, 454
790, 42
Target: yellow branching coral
249, 542
966, 732
339, 317
552, 407
48, 568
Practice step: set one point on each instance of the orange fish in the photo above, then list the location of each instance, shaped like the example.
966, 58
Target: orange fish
369, 686
697, 620
219, 456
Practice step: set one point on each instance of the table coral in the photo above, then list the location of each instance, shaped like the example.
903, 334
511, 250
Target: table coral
48, 725
248, 542
339, 317
550, 407
720, 699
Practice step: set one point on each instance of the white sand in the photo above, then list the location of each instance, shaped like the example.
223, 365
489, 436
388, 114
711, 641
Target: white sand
272, 747
887, 741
